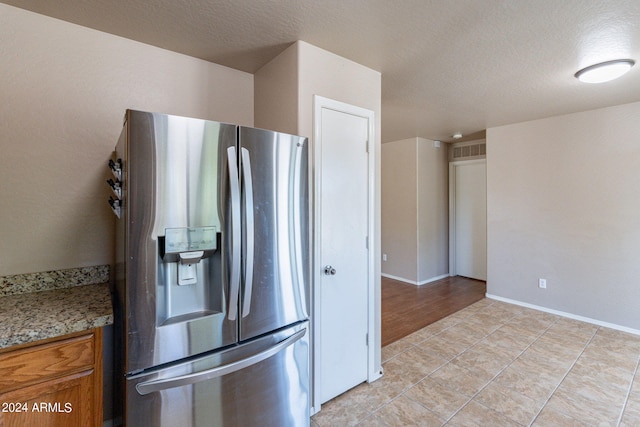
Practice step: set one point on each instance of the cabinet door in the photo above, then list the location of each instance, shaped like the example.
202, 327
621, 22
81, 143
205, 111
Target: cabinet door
62, 402
57, 383
42, 362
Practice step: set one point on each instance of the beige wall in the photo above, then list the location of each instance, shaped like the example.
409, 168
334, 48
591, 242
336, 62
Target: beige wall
415, 206
400, 209
306, 70
433, 211
285, 87
331, 76
276, 89
64, 92
563, 203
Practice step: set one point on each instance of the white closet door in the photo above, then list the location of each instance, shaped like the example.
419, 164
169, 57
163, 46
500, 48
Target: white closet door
470, 219
344, 286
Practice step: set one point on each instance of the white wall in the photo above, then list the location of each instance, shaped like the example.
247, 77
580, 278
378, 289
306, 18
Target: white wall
64, 92
563, 203
415, 206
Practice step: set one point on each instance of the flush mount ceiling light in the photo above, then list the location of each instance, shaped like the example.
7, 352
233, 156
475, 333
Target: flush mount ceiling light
605, 71
457, 135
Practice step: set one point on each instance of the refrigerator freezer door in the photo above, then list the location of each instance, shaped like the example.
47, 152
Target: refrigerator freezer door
275, 272
263, 382
174, 238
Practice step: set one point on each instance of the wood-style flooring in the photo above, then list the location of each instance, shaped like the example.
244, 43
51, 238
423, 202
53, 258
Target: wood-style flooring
407, 308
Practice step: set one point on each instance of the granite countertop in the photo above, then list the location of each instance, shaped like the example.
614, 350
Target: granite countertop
31, 316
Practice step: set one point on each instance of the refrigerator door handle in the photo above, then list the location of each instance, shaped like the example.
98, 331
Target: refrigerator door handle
234, 184
196, 377
249, 232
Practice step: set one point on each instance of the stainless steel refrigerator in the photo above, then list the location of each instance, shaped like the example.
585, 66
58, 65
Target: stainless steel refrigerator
211, 295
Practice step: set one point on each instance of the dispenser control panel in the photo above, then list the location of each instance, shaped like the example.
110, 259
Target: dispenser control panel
116, 186
190, 239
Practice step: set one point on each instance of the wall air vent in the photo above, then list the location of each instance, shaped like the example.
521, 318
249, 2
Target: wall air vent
468, 150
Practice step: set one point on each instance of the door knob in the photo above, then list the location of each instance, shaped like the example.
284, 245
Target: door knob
329, 271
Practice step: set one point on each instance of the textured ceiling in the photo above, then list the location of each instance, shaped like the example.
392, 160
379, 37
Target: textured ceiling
447, 66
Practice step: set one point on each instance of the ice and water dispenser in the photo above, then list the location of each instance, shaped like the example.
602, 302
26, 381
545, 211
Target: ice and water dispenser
167, 186
186, 247
188, 269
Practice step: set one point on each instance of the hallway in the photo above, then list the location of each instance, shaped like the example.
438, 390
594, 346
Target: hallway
407, 308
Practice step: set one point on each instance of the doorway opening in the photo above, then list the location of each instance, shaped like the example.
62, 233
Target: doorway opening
407, 308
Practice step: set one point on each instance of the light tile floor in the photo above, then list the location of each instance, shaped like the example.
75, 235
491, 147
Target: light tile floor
498, 364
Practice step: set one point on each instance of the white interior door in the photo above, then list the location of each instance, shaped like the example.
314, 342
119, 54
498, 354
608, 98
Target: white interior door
344, 224
470, 219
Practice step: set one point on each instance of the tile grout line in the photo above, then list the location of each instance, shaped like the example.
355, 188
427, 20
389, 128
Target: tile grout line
434, 335
499, 372
496, 375
626, 400
412, 346
502, 370
563, 378
447, 361
403, 392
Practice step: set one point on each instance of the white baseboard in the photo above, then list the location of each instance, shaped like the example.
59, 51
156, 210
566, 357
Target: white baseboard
565, 314
402, 279
433, 279
413, 282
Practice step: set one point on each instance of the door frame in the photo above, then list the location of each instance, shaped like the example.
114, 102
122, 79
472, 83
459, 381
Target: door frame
452, 208
319, 103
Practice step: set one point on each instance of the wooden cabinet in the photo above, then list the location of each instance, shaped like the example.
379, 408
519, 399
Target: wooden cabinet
53, 383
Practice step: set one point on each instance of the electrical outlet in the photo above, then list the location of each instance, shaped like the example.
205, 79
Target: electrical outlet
384, 257
542, 283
